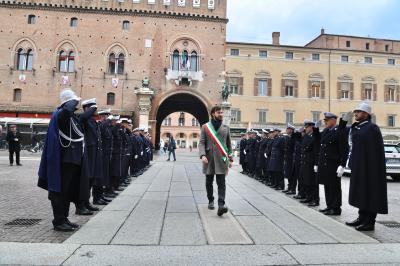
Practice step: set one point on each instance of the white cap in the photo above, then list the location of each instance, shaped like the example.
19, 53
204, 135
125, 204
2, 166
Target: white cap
123, 120
104, 112
115, 117
364, 107
68, 95
89, 102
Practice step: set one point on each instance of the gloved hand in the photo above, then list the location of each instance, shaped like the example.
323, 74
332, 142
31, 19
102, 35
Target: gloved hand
315, 168
141, 154
318, 124
136, 156
265, 155
348, 116
94, 106
340, 171
244, 151
110, 117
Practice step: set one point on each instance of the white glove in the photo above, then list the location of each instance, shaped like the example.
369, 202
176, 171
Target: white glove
136, 156
15, 139
244, 151
348, 116
141, 154
340, 171
265, 155
315, 168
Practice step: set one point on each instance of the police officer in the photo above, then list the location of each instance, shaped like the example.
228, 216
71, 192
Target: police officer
242, 156
267, 156
309, 163
116, 155
368, 188
261, 159
332, 158
251, 153
288, 160
275, 164
297, 181
61, 162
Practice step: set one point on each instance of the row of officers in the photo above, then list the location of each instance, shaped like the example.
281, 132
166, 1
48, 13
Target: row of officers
308, 158
84, 157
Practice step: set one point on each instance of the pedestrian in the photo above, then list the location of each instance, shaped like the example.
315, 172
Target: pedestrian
166, 143
190, 148
368, 188
309, 163
14, 138
61, 162
332, 161
35, 142
162, 151
171, 148
215, 151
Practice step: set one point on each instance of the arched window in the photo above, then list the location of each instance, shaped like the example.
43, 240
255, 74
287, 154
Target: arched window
121, 64
21, 59
71, 62
175, 60
17, 95
31, 19
195, 123
73, 22
111, 64
62, 61
110, 98
193, 61
185, 60
29, 60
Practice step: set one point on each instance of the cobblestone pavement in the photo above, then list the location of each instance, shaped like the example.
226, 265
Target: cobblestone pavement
21, 198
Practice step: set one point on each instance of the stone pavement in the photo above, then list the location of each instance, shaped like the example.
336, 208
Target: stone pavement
162, 219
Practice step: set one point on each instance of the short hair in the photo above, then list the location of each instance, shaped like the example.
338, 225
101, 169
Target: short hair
215, 109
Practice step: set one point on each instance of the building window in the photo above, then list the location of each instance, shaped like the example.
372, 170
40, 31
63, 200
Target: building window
116, 64
315, 89
348, 44
235, 116
368, 60
175, 60
345, 58
392, 94
111, 98
31, 19
289, 88
315, 57
195, 122
167, 121
392, 61
391, 120
387, 47
368, 91
262, 87
289, 117
289, 55
195, 136
74, 22
235, 52
181, 120
345, 90
262, 116
315, 116
367, 46
24, 60
193, 61
66, 63
17, 95
125, 25
263, 54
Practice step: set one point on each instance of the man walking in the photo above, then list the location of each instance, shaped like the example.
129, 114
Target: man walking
14, 144
216, 154
171, 148
368, 188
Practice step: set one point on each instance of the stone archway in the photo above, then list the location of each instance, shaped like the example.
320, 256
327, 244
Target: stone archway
180, 102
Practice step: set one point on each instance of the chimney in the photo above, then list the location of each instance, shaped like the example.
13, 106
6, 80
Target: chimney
322, 31
275, 38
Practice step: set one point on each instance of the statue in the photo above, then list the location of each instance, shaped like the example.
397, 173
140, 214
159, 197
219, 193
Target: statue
225, 93
145, 82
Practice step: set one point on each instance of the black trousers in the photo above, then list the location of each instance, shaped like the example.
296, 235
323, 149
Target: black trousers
221, 188
312, 192
252, 165
60, 201
244, 167
367, 217
173, 154
277, 179
333, 194
11, 153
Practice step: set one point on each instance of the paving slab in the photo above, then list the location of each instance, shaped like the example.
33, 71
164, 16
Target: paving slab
263, 231
179, 174
222, 230
346, 253
335, 229
200, 197
181, 204
135, 189
180, 189
122, 203
100, 229
143, 226
180, 255
183, 229
35, 253
238, 205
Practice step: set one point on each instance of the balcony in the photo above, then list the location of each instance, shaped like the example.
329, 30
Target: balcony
180, 76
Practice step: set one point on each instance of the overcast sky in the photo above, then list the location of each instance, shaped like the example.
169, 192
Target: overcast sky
299, 21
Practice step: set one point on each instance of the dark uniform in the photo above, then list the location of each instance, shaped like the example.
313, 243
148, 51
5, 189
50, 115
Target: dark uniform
297, 181
116, 157
309, 159
14, 146
242, 158
261, 159
267, 156
333, 153
251, 155
106, 141
275, 164
288, 164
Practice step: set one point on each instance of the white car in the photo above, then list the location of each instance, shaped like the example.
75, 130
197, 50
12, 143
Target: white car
392, 156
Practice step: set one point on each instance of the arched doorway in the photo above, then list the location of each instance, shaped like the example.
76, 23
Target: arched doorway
181, 102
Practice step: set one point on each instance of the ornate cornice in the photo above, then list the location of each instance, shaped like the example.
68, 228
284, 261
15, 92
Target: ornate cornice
112, 11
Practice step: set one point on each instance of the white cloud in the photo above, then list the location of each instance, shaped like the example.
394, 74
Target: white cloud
299, 21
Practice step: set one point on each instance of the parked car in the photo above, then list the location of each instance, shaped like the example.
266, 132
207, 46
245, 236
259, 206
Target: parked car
392, 155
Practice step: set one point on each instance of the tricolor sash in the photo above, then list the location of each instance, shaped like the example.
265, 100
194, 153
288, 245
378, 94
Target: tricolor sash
210, 130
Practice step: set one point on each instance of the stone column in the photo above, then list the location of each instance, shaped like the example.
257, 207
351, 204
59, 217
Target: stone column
226, 107
144, 96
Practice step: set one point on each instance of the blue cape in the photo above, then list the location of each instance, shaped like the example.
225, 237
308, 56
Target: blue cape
50, 163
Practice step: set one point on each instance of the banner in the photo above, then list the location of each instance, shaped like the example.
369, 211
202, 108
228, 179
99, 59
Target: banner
114, 82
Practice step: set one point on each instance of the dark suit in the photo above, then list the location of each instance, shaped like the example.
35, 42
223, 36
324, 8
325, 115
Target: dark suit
288, 162
275, 165
14, 146
251, 155
309, 159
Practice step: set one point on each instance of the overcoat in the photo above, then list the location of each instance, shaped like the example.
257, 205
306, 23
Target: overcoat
309, 158
275, 163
